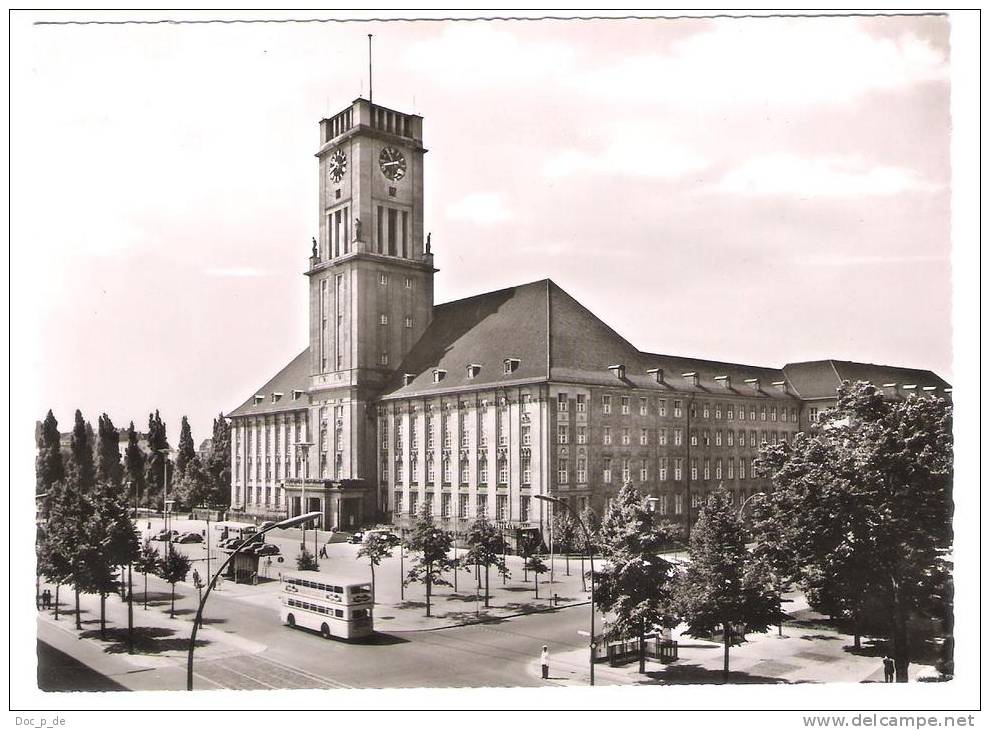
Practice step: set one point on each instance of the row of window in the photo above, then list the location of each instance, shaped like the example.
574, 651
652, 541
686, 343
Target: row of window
702, 438
719, 410
463, 505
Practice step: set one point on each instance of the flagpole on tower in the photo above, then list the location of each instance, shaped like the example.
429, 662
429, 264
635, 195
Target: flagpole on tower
370, 94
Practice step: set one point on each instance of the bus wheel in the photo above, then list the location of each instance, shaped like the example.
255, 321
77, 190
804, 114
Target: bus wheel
291, 620
325, 631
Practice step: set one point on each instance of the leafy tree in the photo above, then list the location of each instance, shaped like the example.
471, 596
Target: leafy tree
66, 535
187, 449
865, 499
535, 565
174, 567
147, 561
193, 485
432, 544
485, 549
635, 585
218, 463
134, 463
54, 556
306, 561
720, 590
108, 466
50, 466
81, 455
566, 536
375, 548
156, 463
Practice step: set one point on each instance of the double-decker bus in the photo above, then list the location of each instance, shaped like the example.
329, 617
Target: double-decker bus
333, 607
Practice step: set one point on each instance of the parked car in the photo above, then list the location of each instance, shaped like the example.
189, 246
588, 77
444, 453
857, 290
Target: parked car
390, 537
164, 535
357, 538
189, 537
265, 548
231, 543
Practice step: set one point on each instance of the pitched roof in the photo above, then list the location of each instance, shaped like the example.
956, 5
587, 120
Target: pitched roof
294, 376
820, 378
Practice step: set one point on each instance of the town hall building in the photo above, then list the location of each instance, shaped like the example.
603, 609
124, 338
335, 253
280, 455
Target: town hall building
476, 406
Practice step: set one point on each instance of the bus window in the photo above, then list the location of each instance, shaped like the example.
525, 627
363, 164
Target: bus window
338, 613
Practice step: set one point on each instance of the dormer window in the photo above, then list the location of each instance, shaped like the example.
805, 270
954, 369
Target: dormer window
781, 385
438, 375
407, 378
690, 378
276, 397
510, 365
657, 373
724, 380
258, 398
618, 371
473, 371
296, 394
753, 383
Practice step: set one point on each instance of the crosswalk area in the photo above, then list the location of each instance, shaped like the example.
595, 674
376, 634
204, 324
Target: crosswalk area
253, 672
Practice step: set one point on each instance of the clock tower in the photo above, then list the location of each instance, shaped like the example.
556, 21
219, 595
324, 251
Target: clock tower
371, 294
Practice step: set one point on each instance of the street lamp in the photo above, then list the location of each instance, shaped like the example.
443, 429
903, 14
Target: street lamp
303, 447
591, 558
168, 534
290, 522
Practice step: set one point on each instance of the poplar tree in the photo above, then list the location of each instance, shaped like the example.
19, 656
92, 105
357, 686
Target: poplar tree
187, 449
108, 467
81, 465
218, 463
154, 472
134, 463
50, 467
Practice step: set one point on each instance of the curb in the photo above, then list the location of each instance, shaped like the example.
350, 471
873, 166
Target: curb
487, 620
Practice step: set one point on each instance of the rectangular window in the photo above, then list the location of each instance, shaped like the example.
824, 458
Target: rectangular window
752, 438
413, 502
663, 468
445, 505
408, 323
813, 414
527, 467
678, 504
662, 437
606, 404
404, 235
773, 414
742, 468
393, 233
626, 474
606, 436
752, 413
718, 438
527, 436
501, 507
446, 471
644, 472
730, 469
694, 469
708, 469
644, 437
582, 434
642, 407
383, 279
582, 471
398, 472
581, 405
431, 471
503, 471
678, 469
729, 439
696, 500
718, 411
524, 509
730, 413
562, 436
562, 402
381, 229
678, 436
694, 437
625, 437
625, 405
463, 500
706, 411
481, 505
397, 503
706, 438
677, 409
662, 504
662, 407
562, 470
607, 471
482, 471
763, 413
382, 319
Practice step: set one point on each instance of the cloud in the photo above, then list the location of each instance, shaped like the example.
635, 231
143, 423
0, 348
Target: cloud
485, 208
772, 61
241, 272
638, 152
836, 177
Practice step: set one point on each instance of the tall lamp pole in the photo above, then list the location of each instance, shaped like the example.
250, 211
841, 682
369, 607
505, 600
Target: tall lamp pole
304, 450
591, 558
165, 453
291, 522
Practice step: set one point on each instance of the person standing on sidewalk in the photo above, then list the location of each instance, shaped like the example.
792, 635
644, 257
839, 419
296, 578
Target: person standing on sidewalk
888, 670
545, 662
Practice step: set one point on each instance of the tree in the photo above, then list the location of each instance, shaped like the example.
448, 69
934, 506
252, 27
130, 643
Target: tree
535, 565
66, 535
866, 501
720, 591
306, 561
432, 544
147, 561
566, 535
375, 548
187, 449
218, 463
174, 567
156, 463
485, 549
50, 467
635, 585
108, 466
54, 556
81, 455
193, 485
134, 463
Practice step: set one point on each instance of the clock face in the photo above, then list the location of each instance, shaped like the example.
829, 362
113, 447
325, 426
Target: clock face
337, 166
392, 162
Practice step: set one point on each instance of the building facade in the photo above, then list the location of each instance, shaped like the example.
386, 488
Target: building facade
475, 407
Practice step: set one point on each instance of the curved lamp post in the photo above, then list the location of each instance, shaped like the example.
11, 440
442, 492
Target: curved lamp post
291, 522
591, 558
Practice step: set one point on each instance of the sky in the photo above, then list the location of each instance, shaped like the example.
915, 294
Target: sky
760, 191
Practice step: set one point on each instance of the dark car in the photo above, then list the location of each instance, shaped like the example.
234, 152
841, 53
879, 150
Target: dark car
164, 535
231, 543
391, 539
189, 537
356, 539
265, 548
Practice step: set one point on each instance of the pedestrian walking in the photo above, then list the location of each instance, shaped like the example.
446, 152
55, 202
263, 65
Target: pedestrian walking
46, 599
888, 669
545, 662
323, 552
